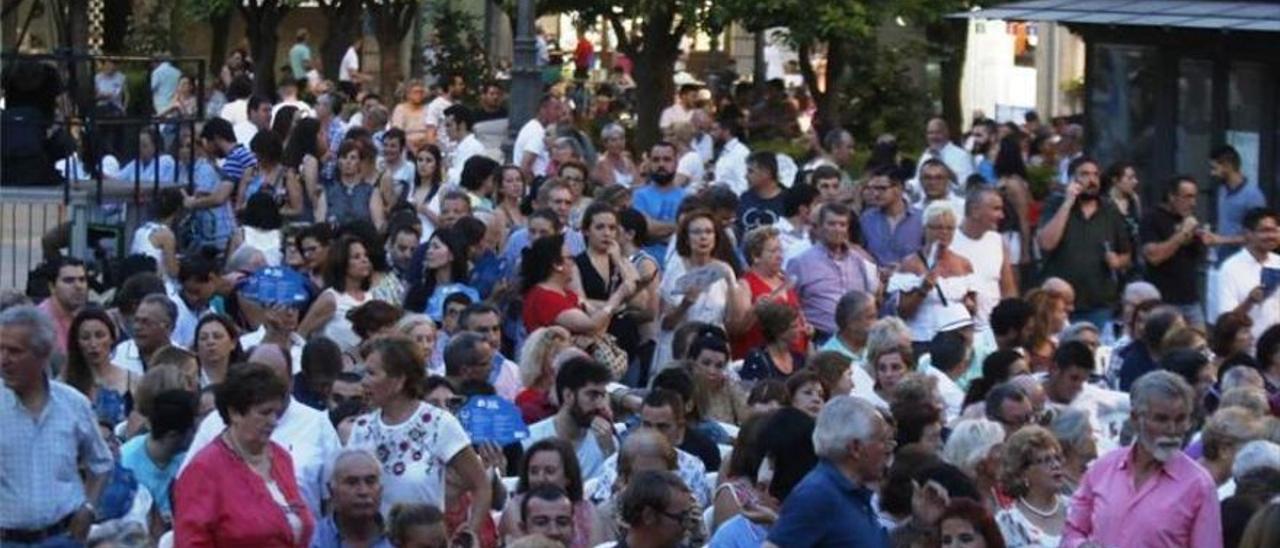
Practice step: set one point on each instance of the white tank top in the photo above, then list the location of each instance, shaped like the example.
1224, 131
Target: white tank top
339, 327
266, 241
986, 254
142, 243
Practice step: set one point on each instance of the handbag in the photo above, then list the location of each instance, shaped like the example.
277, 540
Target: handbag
604, 348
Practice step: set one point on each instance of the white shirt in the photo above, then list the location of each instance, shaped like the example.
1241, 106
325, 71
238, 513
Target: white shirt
184, 328
731, 167
304, 432
468, 147
690, 469
254, 338
1106, 409
235, 112
350, 65
1239, 275
245, 131
590, 456
414, 454
674, 114
532, 139
692, 166
705, 146
127, 356
951, 393
793, 243
987, 255
435, 112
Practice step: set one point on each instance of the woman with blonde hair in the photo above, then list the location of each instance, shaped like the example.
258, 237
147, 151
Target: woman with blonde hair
1031, 471
934, 279
975, 447
615, 166
422, 331
538, 372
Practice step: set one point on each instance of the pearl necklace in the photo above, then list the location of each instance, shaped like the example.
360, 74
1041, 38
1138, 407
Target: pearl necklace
1042, 513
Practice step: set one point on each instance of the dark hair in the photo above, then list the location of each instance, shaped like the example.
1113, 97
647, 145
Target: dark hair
730, 121
266, 146
804, 377
765, 160
248, 384
632, 220
1225, 330
663, 397
596, 208
579, 372
718, 197
799, 195
568, 461
372, 317
707, 342
241, 87
897, 489
1010, 314
995, 370
947, 350
173, 411
1116, 170
1009, 158
282, 122
1236, 512
471, 229
136, 287
196, 267
401, 357
543, 491
849, 305
321, 356
1073, 354
476, 171
540, 258
168, 202
78, 374
1079, 161
1267, 347
745, 459
303, 140
335, 273
218, 128
1256, 215
1159, 321
953, 479
462, 351
436, 381
788, 438
461, 115
722, 250
769, 390
774, 319
261, 212
1186, 363
1226, 154
825, 171
911, 419
406, 516
1000, 393
162, 300
233, 331
978, 516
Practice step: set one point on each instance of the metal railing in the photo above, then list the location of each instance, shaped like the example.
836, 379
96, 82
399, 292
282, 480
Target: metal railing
26, 215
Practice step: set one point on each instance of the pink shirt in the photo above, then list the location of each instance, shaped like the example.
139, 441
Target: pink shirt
61, 320
1176, 506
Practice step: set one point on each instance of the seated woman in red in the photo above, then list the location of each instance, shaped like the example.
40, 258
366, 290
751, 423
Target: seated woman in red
240, 490
547, 272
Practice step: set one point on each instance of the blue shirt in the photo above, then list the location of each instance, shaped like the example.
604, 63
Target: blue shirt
1232, 205
892, 245
519, 241
327, 536
157, 481
805, 519
660, 204
164, 84
237, 161
739, 532
211, 225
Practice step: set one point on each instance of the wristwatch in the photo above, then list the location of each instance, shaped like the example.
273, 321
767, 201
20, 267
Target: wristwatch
92, 510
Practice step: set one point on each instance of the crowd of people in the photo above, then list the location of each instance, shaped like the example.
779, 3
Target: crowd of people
704, 344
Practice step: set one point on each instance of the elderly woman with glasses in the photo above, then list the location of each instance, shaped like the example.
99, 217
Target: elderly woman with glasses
1031, 471
933, 279
615, 166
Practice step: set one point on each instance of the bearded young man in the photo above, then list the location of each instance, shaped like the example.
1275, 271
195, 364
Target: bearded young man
584, 418
1150, 493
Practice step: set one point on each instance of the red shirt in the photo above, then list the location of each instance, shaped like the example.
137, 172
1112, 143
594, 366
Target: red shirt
535, 405
754, 338
542, 305
219, 501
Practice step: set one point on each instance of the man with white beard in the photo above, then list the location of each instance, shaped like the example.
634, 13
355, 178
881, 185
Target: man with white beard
1150, 493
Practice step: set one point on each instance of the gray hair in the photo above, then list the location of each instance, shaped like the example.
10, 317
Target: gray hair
1241, 377
1141, 291
849, 306
42, 336
842, 420
349, 453
1074, 331
834, 137
1254, 455
410, 322
610, 131
997, 396
939, 210
1071, 427
1160, 384
973, 199
164, 302
971, 441
245, 257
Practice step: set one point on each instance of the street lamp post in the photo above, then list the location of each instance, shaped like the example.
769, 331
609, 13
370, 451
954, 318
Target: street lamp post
526, 80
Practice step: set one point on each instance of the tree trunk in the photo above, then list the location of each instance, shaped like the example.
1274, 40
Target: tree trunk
951, 36
262, 23
343, 21
654, 57
221, 26
392, 21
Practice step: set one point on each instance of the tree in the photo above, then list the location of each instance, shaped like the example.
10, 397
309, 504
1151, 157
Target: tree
262, 23
343, 22
218, 14
459, 48
652, 42
392, 20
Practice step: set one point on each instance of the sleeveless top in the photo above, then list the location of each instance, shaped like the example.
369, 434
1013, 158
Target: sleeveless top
339, 327
266, 241
348, 203
111, 405
142, 243
623, 327
754, 337
276, 188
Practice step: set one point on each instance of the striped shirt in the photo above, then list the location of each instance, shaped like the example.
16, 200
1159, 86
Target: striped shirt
237, 161
40, 457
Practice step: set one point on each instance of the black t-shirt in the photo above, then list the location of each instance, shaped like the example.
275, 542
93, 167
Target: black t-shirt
1176, 276
483, 115
700, 446
755, 211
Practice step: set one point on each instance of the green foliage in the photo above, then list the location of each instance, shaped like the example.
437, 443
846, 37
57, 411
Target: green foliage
879, 95
149, 32
204, 10
459, 47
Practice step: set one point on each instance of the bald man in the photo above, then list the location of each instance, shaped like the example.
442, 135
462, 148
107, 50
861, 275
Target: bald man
304, 432
938, 136
641, 451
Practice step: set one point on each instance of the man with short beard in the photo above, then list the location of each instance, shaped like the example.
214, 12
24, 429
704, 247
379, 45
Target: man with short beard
659, 200
1085, 242
583, 418
1150, 493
